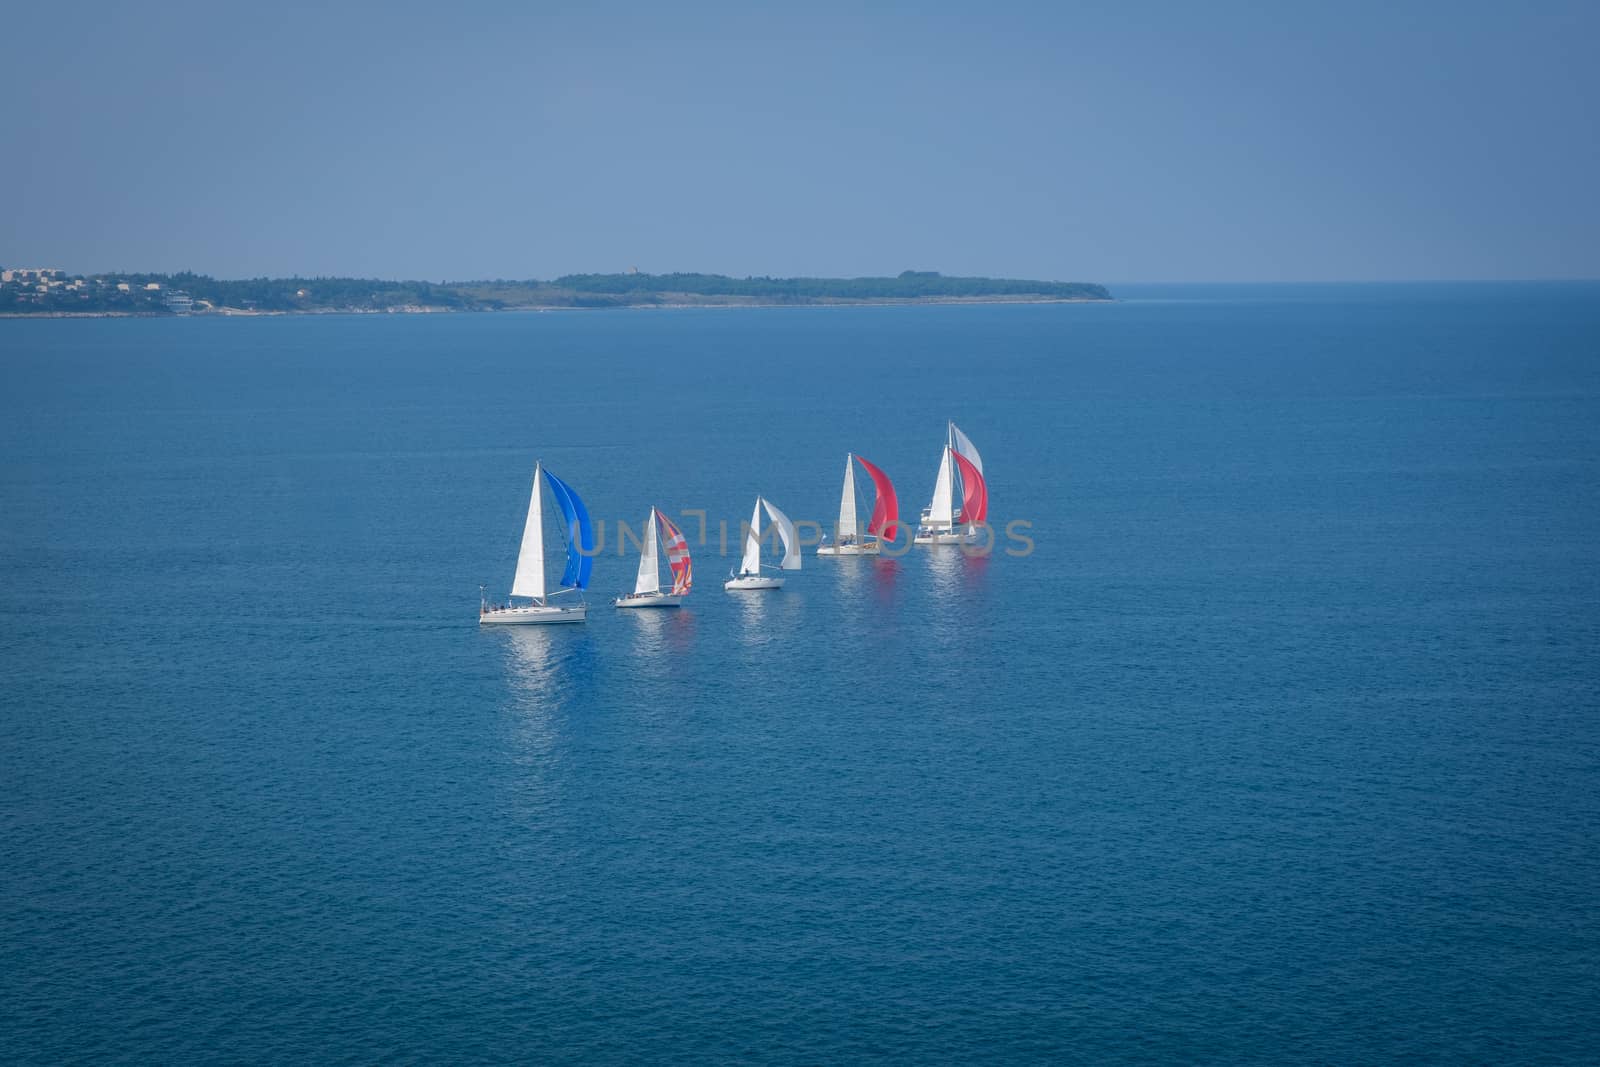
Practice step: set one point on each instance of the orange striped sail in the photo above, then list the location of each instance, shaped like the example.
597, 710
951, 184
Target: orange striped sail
677, 556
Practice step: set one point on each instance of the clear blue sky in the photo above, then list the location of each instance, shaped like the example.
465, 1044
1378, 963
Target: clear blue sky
1074, 141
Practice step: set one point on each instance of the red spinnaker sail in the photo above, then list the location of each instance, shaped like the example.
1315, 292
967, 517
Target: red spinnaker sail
886, 509
677, 556
974, 492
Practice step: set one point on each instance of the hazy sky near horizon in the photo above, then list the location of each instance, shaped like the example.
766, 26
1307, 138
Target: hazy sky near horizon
1069, 141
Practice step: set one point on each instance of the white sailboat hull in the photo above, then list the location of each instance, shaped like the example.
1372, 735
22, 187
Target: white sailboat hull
532, 615
868, 548
649, 600
753, 581
956, 536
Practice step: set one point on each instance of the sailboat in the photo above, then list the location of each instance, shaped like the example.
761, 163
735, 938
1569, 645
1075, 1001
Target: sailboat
942, 524
885, 514
750, 576
647, 588
529, 583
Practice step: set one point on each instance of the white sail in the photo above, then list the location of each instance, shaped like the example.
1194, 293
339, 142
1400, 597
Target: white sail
963, 444
939, 512
649, 580
530, 560
751, 564
791, 538
847, 503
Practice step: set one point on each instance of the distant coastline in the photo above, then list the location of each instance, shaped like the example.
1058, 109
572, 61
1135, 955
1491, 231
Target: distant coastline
49, 293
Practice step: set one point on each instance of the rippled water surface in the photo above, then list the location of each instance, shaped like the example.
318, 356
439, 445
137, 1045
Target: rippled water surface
1282, 743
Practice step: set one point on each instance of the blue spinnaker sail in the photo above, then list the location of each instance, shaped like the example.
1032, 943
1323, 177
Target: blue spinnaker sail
580, 534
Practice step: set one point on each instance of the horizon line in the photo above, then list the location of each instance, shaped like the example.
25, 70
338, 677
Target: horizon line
1542, 280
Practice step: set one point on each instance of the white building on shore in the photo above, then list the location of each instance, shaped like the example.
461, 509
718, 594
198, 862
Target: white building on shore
31, 275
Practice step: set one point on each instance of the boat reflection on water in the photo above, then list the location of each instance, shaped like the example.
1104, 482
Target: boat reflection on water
863, 581
955, 590
661, 636
769, 618
548, 669
533, 662
956, 575
538, 692
847, 574
651, 625
944, 567
753, 619
885, 577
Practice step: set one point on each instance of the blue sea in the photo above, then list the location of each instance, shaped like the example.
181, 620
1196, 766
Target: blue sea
1282, 744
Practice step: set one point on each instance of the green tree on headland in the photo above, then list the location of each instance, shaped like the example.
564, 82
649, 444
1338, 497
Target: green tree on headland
133, 293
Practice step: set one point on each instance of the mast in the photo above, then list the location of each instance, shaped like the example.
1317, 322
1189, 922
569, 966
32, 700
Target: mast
846, 530
649, 580
529, 580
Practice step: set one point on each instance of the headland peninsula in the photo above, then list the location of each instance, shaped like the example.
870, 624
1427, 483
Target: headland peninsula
51, 292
